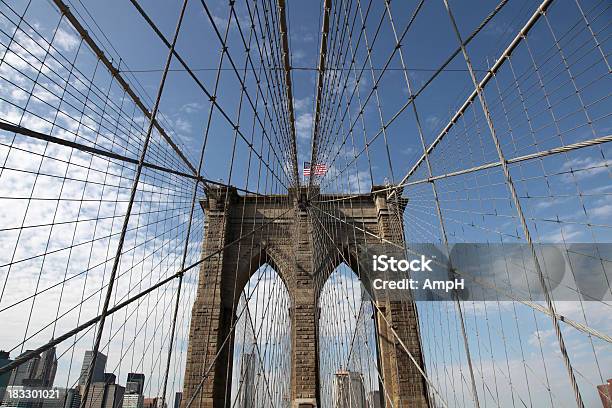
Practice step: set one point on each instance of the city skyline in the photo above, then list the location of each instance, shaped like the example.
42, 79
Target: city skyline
105, 392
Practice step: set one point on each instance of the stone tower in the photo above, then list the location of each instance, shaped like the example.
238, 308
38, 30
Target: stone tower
279, 230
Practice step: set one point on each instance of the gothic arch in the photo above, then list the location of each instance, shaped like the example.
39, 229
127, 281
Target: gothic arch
349, 360
261, 345
350, 255
264, 254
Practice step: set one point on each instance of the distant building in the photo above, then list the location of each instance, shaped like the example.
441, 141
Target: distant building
95, 396
113, 397
153, 403
110, 378
4, 378
247, 381
104, 395
47, 367
58, 402
133, 401
348, 390
24, 371
178, 397
98, 369
135, 383
374, 399
39, 371
134, 388
73, 398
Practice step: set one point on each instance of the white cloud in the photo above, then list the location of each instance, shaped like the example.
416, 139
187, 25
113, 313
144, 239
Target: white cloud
182, 125
432, 122
546, 337
584, 167
191, 107
603, 211
602, 208
407, 151
297, 56
301, 104
303, 125
547, 203
563, 233
75, 187
359, 182
221, 22
65, 41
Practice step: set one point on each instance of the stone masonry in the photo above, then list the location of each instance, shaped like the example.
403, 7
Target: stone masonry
280, 230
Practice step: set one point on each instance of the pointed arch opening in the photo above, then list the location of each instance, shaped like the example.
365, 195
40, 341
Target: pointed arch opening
262, 342
348, 356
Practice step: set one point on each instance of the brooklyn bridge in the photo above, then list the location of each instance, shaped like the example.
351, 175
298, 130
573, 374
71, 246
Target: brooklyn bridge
204, 203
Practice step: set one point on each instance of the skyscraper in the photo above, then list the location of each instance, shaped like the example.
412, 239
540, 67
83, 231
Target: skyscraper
47, 367
113, 397
98, 368
348, 390
110, 378
154, 403
39, 371
178, 397
73, 398
4, 378
24, 371
247, 381
134, 388
133, 401
105, 394
59, 402
135, 383
95, 396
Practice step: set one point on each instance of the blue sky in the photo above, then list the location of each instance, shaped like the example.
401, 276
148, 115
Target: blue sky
140, 50
424, 48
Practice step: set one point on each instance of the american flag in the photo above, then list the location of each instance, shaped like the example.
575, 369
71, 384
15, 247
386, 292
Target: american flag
319, 169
